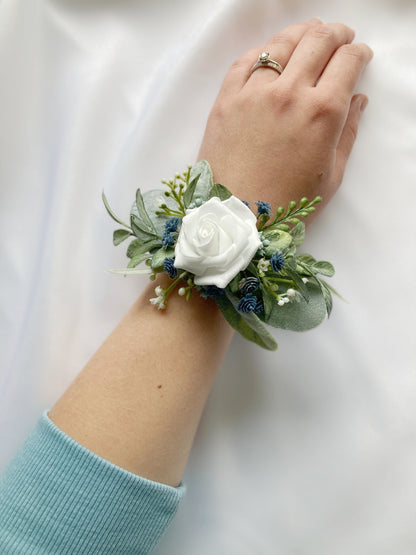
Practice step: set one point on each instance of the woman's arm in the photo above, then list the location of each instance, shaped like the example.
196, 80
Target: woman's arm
139, 399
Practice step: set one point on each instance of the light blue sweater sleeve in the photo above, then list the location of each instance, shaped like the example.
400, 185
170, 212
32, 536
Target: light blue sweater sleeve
56, 496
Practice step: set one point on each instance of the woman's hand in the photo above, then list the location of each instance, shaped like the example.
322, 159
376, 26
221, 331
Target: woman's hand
281, 137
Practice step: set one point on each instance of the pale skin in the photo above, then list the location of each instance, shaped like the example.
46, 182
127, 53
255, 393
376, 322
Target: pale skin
138, 402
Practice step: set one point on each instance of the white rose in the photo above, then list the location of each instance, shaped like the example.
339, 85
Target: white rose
216, 241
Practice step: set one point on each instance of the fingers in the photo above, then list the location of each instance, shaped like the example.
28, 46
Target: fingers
344, 69
348, 135
280, 47
314, 51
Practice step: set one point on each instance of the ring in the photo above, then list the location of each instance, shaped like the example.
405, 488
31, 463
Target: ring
264, 60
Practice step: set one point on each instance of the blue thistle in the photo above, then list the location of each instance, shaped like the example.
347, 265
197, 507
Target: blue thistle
167, 240
258, 308
171, 225
277, 261
249, 285
213, 291
246, 203
247, 304
264, 207
168, 266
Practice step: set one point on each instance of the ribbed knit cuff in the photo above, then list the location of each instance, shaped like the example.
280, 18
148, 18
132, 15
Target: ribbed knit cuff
56, 496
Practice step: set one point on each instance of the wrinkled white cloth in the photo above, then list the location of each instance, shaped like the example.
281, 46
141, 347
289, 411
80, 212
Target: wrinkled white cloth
310, 450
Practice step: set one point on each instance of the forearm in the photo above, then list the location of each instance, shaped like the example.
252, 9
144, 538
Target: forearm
138, 401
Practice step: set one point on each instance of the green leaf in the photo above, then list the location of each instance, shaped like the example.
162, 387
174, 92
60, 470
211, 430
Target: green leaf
137, 247
120, 235
220, 191
145, 223
138, 228
268, 300
136, 260
298, 233
160, 255
294, 276
189, 192
279, 240
323, 267
299, 315
234, 284
306, 259
248, 325
111, 213
204, 183
151, 200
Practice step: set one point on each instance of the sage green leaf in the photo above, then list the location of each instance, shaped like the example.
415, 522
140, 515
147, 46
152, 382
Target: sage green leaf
279, 240
283, 227
306, 259
111, 213
120, 235
296, 278
220, 191
152, 200
137, 227
205, 182
127, 271
323, 267
136, 260
248, 325
299, 315
137, 247
160, 255
269, 300
234, 284
189, 192
144, 216
298, 233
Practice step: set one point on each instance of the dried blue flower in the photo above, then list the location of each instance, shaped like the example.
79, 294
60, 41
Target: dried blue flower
277, 261
167, 240
248, 285
264, 207
170, 268
247, 304
258, 308
246, 203
213, 291
171, 225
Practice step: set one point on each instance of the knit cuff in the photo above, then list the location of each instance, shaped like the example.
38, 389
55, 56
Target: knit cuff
56, 496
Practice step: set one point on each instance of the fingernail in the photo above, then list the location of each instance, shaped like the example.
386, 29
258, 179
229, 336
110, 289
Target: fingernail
315, 20
363, 104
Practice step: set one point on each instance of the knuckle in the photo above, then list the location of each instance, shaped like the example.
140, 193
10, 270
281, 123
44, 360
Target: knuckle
283, 97
283, 40
328, 105
355, 52
323, 32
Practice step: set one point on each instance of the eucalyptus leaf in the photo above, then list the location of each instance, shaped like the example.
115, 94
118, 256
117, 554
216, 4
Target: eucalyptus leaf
294, 276
298, 233
299, 315
306, 259
248, 325
325, 268
111, 213
268, 300
136, 260
160, 255
279, 240
234, 284
189, 192
204, 183
137, 228
152, 200
120, 235
220, 191
144, 216
137, 248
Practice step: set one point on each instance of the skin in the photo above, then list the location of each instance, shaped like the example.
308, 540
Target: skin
138, 402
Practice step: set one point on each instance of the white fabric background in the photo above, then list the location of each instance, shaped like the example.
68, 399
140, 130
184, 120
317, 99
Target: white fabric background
307, 451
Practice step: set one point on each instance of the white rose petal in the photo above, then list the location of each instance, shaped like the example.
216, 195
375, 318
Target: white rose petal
216, 241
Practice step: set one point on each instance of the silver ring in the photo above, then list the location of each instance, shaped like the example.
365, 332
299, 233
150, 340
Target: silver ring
264, 60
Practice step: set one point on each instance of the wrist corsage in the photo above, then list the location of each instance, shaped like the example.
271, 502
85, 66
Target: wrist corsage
210, 242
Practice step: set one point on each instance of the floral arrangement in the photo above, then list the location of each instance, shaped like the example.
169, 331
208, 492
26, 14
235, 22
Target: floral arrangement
209, 241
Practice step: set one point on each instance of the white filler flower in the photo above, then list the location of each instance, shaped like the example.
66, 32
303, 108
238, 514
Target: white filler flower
216, 241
